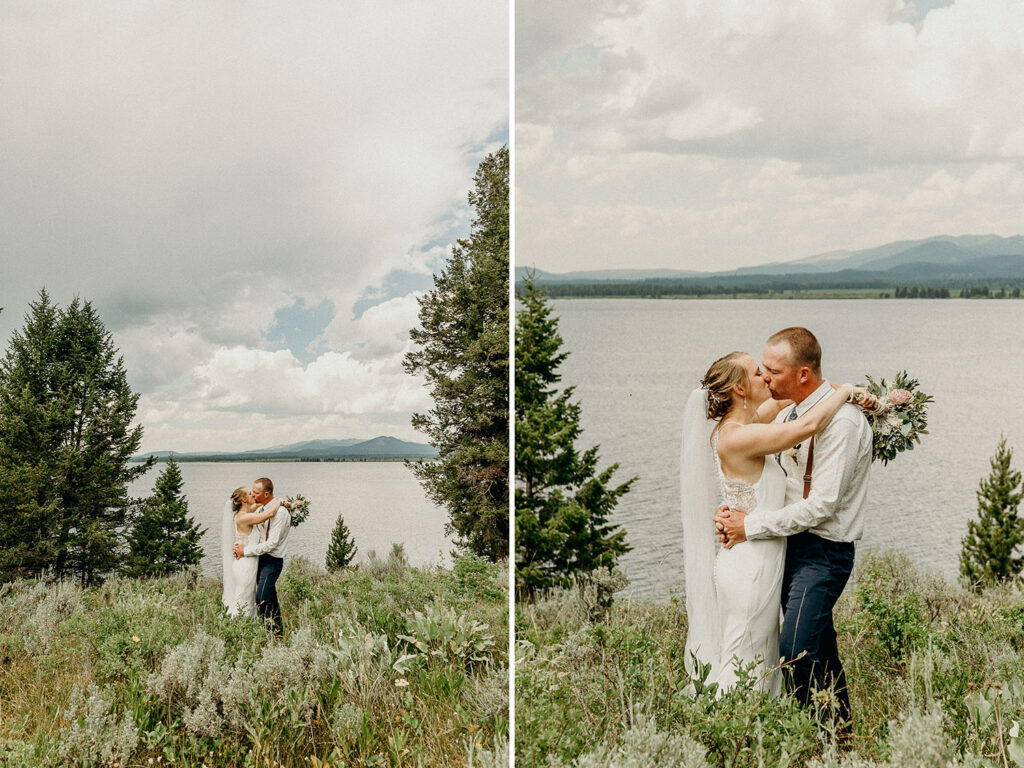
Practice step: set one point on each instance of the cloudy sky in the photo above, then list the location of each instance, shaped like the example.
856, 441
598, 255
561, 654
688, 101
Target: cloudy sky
251, 194
712, 134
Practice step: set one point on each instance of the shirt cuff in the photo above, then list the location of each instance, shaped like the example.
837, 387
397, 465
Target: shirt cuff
752, 527
248, 550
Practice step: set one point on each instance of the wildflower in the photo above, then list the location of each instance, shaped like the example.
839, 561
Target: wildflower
135, 638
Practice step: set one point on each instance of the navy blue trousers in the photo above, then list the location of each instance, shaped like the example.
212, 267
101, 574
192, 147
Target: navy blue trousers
816, 572
267, 607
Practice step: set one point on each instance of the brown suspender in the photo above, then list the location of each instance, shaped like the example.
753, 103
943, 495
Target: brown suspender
810, 467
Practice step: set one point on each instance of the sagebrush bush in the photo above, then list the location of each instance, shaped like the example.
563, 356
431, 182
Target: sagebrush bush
197, 682
203, 687
935, 673
95, 735
642, 746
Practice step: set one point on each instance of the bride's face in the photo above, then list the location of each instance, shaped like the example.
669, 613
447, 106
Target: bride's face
757, 389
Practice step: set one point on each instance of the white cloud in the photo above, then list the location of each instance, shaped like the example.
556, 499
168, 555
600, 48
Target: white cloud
804, 117
194, 168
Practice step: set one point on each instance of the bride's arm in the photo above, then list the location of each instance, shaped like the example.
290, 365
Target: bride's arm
764, 439
769, 409
253, 518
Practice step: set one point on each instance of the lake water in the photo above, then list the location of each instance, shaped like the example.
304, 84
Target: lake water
634, 362
382, 502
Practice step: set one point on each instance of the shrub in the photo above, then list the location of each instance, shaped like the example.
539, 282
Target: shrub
96, 736
342, 549
642, 746
442, 634
395, 566
988, 550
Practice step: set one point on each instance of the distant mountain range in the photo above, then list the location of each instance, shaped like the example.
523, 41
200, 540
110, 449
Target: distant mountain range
966, 257
377, 449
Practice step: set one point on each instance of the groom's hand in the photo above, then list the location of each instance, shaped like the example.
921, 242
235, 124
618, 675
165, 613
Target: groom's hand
239, 551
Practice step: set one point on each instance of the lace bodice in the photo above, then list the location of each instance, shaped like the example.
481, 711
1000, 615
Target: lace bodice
241, 538
736, 494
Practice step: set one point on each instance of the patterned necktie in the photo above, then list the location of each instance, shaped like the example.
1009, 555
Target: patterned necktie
792, 417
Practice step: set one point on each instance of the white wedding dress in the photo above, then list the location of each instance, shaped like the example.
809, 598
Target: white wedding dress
732, 595
748, 582
239, 595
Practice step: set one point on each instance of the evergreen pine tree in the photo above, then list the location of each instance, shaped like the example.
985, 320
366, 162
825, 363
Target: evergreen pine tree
28, 445
562, 502
66, 442
342, 549
987, 554
164, 538
462, 351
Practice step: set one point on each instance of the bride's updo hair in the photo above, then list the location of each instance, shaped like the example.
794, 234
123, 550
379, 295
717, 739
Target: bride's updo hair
239, 497
724, 374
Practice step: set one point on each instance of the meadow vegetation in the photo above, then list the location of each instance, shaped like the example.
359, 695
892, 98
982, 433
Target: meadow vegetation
380, 665
936, 679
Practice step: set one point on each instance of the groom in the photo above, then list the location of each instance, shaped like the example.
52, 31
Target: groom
268, 542
823, 516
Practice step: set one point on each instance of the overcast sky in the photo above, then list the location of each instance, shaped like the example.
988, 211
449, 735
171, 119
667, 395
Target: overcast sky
712, 134
251, 194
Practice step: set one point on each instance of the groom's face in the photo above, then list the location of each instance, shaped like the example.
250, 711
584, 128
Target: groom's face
259, 496
781, 376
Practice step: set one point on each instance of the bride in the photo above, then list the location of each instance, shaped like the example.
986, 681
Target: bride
240, 574
733, 595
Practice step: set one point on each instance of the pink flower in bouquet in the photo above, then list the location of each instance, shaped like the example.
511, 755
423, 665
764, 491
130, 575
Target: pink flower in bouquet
899, 397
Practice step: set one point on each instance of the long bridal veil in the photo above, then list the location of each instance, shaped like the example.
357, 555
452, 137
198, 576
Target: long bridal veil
227, 539
700, 496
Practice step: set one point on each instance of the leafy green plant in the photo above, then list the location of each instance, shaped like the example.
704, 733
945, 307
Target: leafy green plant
441, 633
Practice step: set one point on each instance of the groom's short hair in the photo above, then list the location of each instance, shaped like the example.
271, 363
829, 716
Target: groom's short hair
265, 484
804, 348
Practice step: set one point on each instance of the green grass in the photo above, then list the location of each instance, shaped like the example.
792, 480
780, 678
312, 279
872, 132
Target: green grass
384, 665
936, 678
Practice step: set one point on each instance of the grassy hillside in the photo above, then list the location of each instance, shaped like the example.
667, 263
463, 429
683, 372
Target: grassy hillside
385, 665
936, 679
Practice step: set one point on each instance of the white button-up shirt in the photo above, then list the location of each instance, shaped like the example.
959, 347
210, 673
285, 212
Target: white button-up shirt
834, 509
273, 542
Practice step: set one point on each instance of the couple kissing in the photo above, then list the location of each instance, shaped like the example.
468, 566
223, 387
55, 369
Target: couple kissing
774, 467
254, 540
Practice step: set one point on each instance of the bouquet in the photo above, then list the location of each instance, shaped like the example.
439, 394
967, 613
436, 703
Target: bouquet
300, 508
900, 418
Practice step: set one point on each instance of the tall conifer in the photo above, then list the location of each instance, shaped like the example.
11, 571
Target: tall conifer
562, 501
462, 351
66, 441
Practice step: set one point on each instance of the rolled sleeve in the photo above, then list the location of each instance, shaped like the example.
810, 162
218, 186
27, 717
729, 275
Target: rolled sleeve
834, 465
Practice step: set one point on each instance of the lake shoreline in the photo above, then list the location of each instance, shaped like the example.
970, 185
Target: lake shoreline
229, 459
840, 295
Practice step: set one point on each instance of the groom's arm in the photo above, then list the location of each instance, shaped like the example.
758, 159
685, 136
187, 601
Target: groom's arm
277, 523
835, 464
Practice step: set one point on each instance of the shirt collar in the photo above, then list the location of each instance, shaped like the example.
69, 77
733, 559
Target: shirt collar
813, 399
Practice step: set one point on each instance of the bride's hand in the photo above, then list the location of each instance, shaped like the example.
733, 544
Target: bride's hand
862, 397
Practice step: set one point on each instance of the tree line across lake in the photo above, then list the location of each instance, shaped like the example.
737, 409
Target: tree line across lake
657, 289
